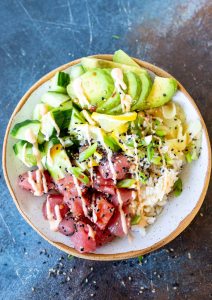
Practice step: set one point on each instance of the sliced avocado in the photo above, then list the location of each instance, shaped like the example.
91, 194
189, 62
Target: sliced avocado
133, 84
162, 91
109, 103
146, 85
115, 111
96, 84
57, 162
90, 63
123, 58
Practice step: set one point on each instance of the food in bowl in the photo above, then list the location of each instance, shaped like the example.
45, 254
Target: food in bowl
106, 145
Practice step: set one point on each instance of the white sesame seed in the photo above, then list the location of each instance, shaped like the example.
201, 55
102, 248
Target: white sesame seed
33, 289
86, 280
189, 255
174, 287
91, 295
130, 278
153, 291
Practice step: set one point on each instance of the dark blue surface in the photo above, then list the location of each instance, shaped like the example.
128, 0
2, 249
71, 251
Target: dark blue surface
36, 37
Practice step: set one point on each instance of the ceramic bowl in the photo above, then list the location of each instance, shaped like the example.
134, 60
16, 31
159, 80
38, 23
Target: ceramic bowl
177, 214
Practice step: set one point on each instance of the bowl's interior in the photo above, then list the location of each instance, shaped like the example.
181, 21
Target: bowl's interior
177, 209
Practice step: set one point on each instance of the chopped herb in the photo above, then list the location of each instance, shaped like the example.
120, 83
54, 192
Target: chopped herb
178, 187
126, 183
150, 152
160, 133
70, 257
135, 220
115, 36
188, 157
140, 259
143, 177
77, 172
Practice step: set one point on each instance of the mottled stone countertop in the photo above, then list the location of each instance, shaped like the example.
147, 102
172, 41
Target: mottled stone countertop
36, 37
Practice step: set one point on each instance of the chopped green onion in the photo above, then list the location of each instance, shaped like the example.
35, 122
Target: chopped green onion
67, 141
168, 160
188, 157
156, 122
115, 36
126, 183
130, 143
135, 220
178, 187
140, 259
160, 133
77, 172
143, 177
157, 160
150, 152
87, 152
111, 143
70, 257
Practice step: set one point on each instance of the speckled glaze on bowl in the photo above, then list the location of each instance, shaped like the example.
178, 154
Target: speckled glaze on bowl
177, 214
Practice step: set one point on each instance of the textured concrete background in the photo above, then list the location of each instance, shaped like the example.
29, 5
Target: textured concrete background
37, 36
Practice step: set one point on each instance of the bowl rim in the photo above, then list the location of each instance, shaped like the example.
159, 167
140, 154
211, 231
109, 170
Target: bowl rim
118, 256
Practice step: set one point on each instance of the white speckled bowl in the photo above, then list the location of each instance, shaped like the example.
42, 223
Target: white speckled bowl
177, 214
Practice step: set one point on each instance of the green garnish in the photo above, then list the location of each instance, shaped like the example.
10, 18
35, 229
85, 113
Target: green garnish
87, 152
178, 187
188, 157
135, 220
115, 36
143, 177
157, 160
77, 172
150, 152
140, 259
126, 183
70, 257
111, 143
156, 122
160, 133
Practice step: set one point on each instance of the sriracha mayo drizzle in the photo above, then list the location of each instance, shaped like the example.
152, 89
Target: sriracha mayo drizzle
137, 171
122, 214
57, 128
50, 216
126, 100
85, 210
23, 156
91, 232
90, 159
77, 85
43, 109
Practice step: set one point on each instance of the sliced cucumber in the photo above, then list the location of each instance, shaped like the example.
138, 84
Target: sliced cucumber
40, 110
59, 82
146, 85
27, 130
23, 150
54, 99
123, 58
76, 71
76, 118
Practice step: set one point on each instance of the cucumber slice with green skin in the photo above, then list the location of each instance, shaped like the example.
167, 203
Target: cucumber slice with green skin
23, 150
146, 85
61, 116
162, 91
39, 110
59, 82
109, 103
76, 71
24, 130
90, 63
57, 162
123, 58
133, 85
54, 99
76, 118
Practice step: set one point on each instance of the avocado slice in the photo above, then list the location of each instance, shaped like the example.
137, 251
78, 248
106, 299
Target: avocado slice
90, 63
115, 111
133, 84
162, 91
123, 58
146, 85
109, 103
96, 84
